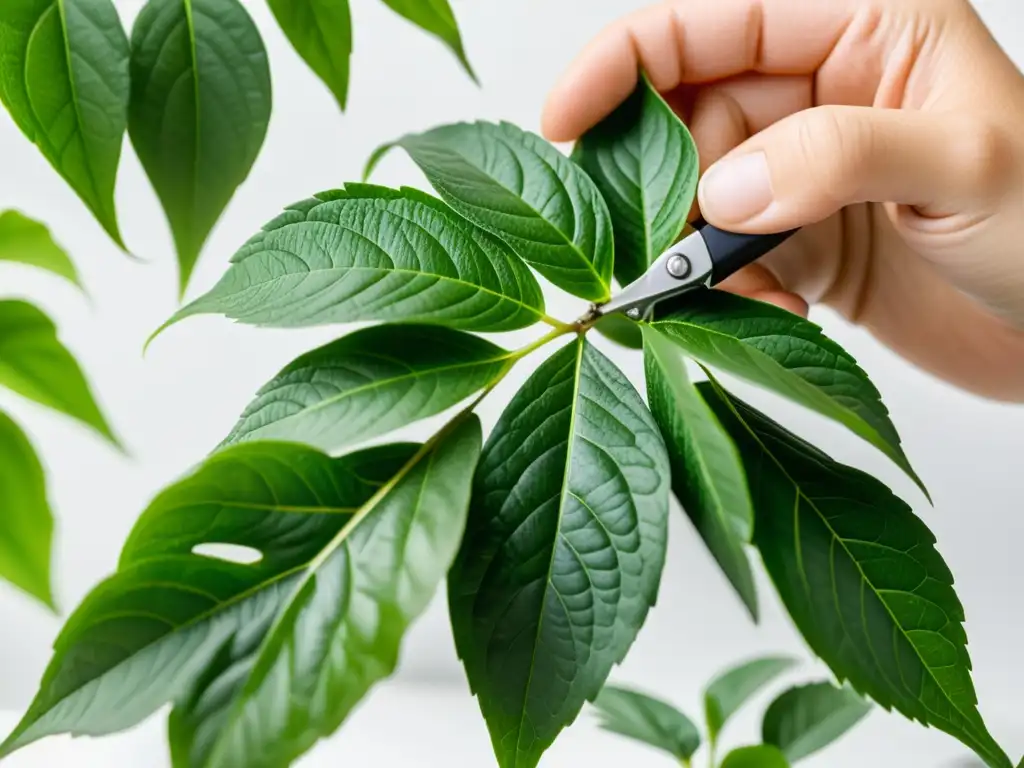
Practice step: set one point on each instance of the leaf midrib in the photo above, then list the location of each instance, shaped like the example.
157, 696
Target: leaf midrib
558, 528
864, 578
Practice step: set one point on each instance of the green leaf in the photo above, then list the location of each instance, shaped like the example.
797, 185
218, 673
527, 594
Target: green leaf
436, 18
64, 79
36, 365
787, 354
321, 33
26, 522
369, 383
369, 253
729, 691
645, 163
520, 188
200, 107
859, 574
763, 756
620, 329
26, 241
648, 720
261, 659
563, 551
805, 720
707, 475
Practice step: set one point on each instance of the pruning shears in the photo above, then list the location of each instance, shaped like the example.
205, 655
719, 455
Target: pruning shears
702, 259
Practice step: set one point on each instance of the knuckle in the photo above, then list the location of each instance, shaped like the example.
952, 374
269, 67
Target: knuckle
981, 155
833, 145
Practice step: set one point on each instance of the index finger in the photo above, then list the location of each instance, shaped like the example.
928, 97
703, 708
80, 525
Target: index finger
692, 42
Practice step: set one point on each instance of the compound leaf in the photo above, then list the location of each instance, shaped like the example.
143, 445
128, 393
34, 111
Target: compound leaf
805, 720
859, 574
648, 720
787, 354
436, 18
729, 691
707, 475
200, 106
27, 241
520, 188
369, 383
370, 253
64, 79
36, 365
26, 522
261, 659
645, 163
563, 550
320, 31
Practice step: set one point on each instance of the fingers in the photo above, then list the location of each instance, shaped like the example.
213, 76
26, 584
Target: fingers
808, 166
693, 41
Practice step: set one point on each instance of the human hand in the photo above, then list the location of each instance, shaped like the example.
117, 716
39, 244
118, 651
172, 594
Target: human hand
890, 129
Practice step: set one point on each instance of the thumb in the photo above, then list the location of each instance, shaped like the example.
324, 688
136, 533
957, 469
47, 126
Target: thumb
809, 165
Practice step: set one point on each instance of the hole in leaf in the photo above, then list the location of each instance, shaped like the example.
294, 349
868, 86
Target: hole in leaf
233, 553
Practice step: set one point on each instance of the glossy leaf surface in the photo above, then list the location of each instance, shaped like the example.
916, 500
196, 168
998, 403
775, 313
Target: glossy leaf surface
729, 691
26, 522
200, 106
27, 241
321, 33
645, 163
860, 575
805, 720
563, 550
520, 188
368, 383
707, 475
649, 720
436, 18
64, 79
621, 330
36, 365
261, 659
787, 354
369, 253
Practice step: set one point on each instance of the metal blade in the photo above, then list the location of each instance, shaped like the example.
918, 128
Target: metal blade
683, 267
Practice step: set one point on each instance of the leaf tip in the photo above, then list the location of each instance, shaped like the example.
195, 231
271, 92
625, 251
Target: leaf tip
375, 157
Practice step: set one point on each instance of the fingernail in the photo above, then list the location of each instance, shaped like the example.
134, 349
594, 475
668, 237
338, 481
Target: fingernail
737, 189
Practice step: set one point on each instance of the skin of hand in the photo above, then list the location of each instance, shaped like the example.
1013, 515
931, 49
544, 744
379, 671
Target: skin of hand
891, 130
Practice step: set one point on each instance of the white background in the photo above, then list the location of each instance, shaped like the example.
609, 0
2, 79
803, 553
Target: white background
175, 405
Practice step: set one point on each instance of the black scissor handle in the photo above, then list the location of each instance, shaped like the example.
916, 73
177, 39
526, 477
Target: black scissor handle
730, 252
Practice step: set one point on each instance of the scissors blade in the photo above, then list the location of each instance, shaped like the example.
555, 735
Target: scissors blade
685, 266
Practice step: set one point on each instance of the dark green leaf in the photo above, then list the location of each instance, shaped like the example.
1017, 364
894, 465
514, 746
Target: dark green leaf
621, 330
728, 692
435, 17
321, 33
649, 720
520, 188
786, 354
369, 253
200, 107
860, 576
261, 659
707, 475
563, 551
36, 365
645, 162
26, 523
807, 719
64, 79
369, 383
763, 756
26, 241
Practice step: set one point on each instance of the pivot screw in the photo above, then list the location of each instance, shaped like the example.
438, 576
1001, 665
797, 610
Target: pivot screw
633, 314
679, 266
